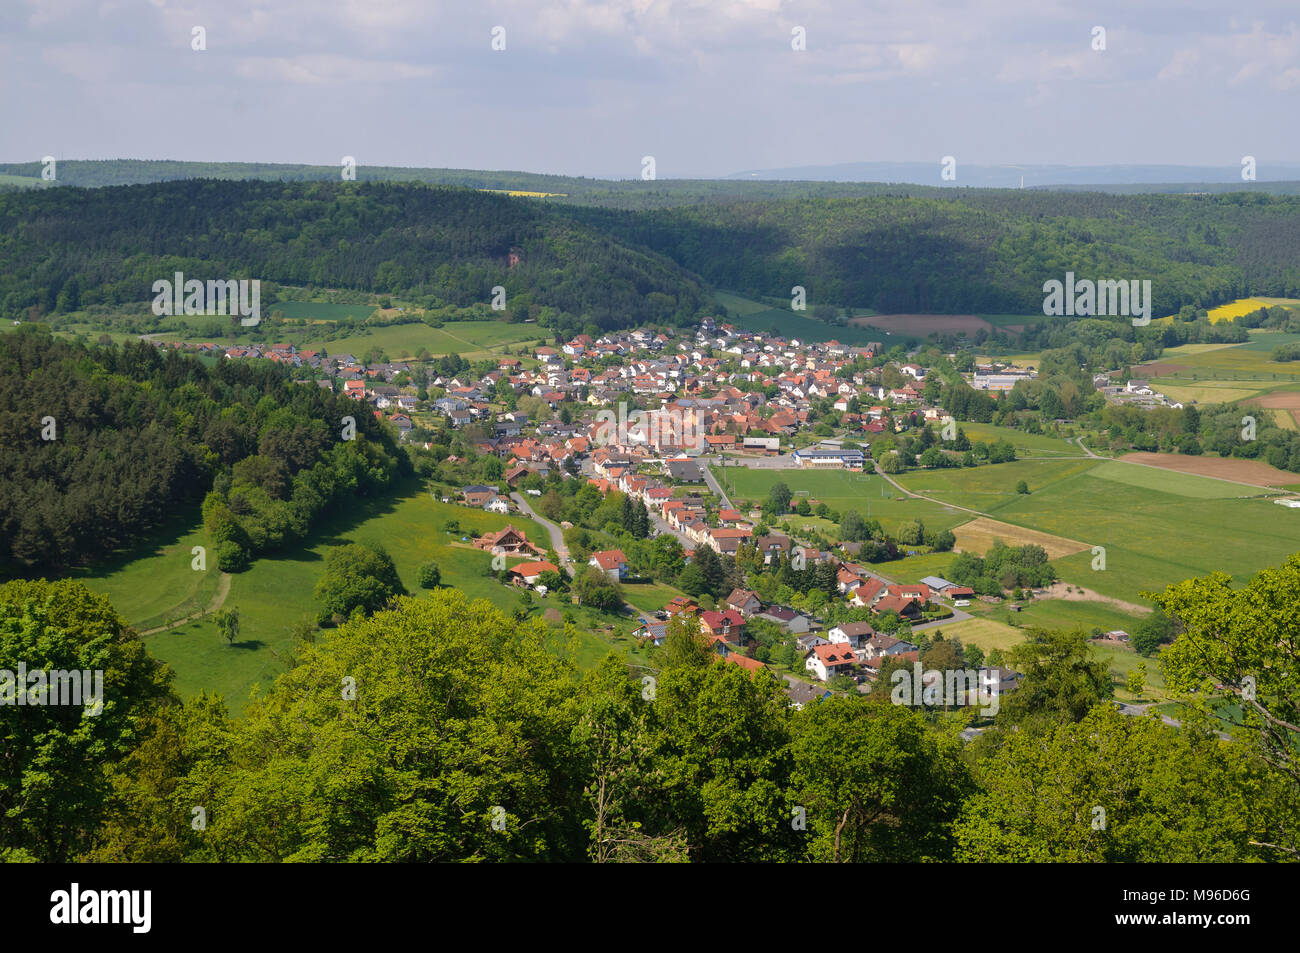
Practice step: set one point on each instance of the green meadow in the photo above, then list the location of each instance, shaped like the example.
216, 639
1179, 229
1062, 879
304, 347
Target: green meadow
275, 594
473, 340
840, 490
989, 487
756, 316
1155, 531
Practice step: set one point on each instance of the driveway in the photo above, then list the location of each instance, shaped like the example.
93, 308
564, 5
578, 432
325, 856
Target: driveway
557, 535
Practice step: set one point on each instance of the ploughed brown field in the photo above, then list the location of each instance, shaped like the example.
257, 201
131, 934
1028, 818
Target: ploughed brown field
1254, 472
923, 324
1158, 369
1287, 401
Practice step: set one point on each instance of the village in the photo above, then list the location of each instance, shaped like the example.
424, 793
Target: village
719, 395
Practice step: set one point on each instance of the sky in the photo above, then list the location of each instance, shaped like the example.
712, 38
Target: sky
706, 87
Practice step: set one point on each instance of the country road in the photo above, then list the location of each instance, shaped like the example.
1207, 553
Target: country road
557, 535
902, 489
715, 486
218, 600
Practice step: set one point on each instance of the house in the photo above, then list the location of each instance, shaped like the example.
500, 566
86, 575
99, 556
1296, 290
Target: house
999, 680
744, 601
801, 694
509, 542
611, 562
827, 661
498, 504
477, 495
869, 594
881, 645
527, 574
682, 604
919, 593
729, 625
773, 547
787, 619
808, 641
873, 664
684, 471
728, 654
651, 629
852, 634
821, 459
903, 605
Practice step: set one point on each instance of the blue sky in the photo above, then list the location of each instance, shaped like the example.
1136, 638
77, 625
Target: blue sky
708, 87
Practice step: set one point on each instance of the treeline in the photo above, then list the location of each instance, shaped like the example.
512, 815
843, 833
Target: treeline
103, 445
63, 249
469, 739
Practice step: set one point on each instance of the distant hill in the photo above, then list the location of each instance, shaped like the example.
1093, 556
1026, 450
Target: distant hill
64, 248
1154, 178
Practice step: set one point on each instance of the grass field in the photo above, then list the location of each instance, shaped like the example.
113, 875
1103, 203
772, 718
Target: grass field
323, 311
756, 316
1060, 614
989, 634
988, 487
276, 592
840, 490
1157, 527
155, 584
1169, 481
1026, 444
472, 340
1152, 537
986, 633
649, 597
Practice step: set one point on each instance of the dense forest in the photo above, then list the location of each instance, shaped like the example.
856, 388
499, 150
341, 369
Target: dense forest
981, 251
61, 249
103, 444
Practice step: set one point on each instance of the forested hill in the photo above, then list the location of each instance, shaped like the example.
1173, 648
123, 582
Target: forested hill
976, 250
961, 251
450, 245
101, 445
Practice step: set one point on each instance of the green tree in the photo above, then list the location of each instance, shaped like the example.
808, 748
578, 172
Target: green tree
57, 761
1062, 679
228, 624
875, 784
429, 575
594, 588
1240, 643
357, 576
1111, 788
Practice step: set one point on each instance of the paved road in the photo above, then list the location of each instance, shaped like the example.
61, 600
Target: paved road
957, 616
713, 485
557, 534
